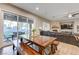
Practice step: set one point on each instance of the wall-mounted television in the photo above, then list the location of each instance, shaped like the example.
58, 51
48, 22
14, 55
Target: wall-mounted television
67, 26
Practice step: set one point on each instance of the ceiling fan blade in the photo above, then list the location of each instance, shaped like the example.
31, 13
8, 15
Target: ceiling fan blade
74, 14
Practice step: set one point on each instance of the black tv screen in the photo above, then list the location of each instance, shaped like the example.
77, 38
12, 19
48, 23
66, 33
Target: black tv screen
66, 26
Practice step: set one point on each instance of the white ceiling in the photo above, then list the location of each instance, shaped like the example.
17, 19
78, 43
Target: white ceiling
51, 11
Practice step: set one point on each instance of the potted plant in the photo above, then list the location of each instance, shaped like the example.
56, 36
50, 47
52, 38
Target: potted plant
33, 32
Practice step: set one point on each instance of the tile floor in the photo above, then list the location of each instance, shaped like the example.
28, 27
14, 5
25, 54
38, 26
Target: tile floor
7, 51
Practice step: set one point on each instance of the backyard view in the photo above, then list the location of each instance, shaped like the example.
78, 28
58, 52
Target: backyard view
11, 29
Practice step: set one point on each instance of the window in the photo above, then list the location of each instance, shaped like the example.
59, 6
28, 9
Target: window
46, 26
24, 26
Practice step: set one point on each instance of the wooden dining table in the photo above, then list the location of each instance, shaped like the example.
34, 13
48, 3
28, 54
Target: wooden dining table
42, 42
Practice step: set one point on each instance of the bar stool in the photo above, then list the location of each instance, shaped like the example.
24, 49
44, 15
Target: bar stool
55, 44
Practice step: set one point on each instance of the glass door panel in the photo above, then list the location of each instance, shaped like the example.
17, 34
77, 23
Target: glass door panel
23, 29
10, 26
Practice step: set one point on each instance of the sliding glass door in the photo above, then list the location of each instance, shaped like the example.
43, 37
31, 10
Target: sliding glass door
23, 27
16, 26
10, 27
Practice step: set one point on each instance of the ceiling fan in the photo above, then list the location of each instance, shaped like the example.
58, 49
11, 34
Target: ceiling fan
73, 14
69, 15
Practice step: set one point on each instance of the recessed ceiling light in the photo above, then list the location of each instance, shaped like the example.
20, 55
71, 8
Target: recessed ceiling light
37, 8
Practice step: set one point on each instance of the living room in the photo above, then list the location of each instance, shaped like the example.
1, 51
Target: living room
19, 21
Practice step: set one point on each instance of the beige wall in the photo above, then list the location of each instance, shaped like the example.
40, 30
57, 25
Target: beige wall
38, 21
75, 26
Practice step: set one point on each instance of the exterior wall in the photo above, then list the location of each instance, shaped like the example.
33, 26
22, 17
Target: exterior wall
38, 21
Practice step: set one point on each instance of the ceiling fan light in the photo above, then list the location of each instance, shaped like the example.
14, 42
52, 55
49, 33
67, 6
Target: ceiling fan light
70, 15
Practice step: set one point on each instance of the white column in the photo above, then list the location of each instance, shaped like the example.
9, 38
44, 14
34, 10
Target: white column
1, 28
